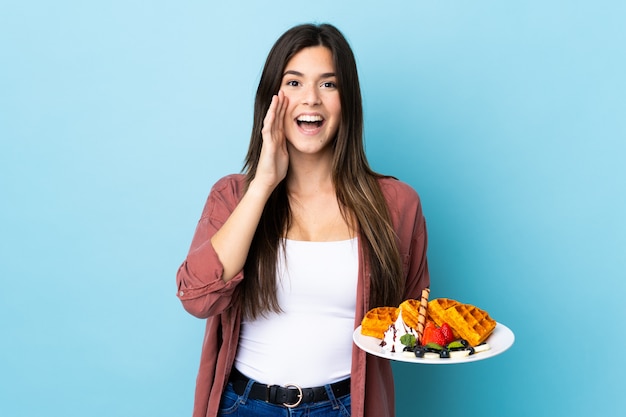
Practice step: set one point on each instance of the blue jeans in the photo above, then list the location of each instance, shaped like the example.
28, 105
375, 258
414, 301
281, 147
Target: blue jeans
233, 405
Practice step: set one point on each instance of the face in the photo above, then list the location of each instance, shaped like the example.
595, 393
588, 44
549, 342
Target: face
314, 112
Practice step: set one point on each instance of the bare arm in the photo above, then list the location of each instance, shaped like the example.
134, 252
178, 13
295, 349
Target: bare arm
232, 241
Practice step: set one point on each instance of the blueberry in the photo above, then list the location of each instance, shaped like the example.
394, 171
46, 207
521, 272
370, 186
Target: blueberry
419, 351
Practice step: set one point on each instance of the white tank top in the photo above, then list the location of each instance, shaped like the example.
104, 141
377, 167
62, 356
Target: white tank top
310, 342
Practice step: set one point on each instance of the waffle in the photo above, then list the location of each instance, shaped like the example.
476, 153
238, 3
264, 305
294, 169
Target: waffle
437, 309
410, 312
467, 321
472, 323
378, 320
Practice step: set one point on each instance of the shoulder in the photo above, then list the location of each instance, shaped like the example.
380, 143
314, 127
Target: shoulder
405, 208
225, 195
230, 184
398, 193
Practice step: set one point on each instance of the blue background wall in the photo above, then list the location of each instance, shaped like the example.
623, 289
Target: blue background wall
116, 118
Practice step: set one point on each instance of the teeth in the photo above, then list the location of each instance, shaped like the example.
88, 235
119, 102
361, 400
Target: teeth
310, 119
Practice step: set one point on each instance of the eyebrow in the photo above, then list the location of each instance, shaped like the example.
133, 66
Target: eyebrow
299, 74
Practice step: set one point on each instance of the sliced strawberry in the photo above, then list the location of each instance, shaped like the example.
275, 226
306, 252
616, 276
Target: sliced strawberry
428, 332
433, 334
447, 332
439, 338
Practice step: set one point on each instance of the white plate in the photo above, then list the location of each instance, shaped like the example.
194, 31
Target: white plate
500, 340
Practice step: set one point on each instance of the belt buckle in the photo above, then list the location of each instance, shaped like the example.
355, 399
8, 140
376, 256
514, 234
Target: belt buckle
297, 403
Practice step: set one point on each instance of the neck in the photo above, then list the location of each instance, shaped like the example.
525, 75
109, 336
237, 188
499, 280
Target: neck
310, 175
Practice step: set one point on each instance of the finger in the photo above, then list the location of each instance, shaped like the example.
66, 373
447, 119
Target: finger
270, 115
282, 109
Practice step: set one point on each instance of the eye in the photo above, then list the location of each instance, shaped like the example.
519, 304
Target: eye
329, 84
292, 83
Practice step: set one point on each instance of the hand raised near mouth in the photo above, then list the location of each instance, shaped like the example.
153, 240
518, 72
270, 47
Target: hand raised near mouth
274, 158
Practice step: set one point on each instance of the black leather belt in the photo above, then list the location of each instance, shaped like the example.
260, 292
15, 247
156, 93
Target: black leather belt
289, 395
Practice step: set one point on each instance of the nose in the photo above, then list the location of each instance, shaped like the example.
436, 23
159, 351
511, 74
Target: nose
311, 95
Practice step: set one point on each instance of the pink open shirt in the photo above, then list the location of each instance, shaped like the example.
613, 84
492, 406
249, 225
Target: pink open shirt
205, 295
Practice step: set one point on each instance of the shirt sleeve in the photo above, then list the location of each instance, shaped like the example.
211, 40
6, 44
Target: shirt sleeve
201, 288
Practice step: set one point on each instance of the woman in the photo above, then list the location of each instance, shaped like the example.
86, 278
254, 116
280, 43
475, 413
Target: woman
288, 257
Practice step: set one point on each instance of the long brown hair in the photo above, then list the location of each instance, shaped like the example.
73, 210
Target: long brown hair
357, 188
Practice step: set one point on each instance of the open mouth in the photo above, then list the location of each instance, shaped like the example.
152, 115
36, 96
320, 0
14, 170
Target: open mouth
310, 122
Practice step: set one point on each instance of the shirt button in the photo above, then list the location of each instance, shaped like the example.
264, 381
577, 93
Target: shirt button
181, 293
